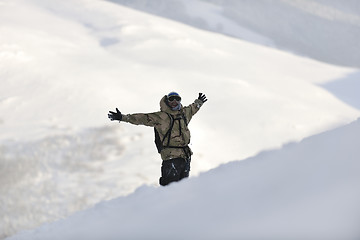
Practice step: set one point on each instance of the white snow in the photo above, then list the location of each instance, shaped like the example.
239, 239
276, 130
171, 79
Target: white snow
307, 190
64, 65
327, 30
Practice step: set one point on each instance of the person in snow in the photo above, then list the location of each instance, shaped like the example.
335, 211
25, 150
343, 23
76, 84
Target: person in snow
172, 135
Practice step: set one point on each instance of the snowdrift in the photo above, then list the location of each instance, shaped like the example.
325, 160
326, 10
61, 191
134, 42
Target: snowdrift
307, 190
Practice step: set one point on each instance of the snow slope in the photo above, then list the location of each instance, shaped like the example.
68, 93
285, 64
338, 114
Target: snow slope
327, 30
64, 65
307, 190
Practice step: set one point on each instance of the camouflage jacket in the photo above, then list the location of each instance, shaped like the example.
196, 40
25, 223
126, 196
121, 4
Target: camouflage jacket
179, 135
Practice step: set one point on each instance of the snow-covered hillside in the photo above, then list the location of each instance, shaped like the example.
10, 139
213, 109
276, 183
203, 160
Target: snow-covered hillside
307, 190
327, 30
65, 64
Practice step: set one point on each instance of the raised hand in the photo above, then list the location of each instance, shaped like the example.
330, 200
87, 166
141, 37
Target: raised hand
202, 97
115, 115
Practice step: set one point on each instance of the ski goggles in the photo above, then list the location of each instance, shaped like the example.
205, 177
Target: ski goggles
176, 98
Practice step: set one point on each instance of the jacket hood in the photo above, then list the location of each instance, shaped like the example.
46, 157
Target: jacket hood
165, 108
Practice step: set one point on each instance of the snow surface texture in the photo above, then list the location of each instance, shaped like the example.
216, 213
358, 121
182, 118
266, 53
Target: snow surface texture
307, 190
64, 65
321, 29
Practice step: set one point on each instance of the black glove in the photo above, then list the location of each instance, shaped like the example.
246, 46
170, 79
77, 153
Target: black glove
202, 97
115, 115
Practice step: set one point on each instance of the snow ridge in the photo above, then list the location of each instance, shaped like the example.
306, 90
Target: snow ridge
307, 190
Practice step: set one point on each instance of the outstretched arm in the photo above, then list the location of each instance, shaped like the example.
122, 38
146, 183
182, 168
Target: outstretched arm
147, 119
195, 106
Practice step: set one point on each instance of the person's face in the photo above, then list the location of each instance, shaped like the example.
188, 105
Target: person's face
174, 101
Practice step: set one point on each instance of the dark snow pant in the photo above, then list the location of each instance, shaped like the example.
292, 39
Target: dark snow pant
174, 170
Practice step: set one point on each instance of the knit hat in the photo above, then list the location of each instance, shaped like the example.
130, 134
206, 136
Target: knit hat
173, 95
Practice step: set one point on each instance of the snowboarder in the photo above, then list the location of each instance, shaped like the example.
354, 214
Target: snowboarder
172, 135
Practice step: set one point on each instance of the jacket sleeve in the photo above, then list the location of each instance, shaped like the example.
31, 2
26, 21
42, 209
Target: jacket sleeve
192, 109
146, 119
